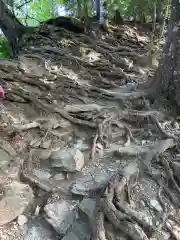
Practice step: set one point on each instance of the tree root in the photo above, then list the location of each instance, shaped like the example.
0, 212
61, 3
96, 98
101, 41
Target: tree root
104, 134
52, 109
154, 120
98, 231
122, 218
169, 173
30, 178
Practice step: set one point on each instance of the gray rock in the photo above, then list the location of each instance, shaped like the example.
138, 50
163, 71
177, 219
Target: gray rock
46, 144
68, 159
22, 220
79, 231
81, 145
61, 215
88, 206
15, 201
44, 154
59, 176
155, 205
89, 185
82, 230
39, 230
71, 236
5, 159
42, 174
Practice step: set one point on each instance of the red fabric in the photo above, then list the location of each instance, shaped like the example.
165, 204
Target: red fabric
2, 95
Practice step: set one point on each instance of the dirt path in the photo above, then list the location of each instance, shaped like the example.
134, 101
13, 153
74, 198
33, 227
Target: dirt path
75, 130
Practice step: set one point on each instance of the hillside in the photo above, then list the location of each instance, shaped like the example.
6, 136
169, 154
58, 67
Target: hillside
83, 152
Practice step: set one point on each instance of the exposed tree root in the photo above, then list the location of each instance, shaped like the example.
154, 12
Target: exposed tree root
27, 175
122, 218
162, 131
51, 109
169, 174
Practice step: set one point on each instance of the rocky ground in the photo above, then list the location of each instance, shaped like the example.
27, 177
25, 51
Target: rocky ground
83, 153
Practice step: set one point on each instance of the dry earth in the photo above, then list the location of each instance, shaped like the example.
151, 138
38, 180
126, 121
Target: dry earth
82, 151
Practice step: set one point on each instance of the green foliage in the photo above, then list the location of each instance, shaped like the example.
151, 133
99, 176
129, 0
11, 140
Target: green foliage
4, 48
40, 9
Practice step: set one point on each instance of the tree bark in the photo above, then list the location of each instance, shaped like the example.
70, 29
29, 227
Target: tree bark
118, 19
167, 77
11, 27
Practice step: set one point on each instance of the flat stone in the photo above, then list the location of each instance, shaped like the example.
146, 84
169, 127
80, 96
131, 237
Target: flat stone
90, 185
59, 177
82, 230
68, 159
61, 215
88, 206
79, 231
39, 230
42, 174
16, 199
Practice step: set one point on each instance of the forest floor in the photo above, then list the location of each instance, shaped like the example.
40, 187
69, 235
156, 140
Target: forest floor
83, 153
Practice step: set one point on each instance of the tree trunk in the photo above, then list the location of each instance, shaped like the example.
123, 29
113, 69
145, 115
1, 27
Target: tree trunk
118, 19
167, 77
11, 27
103, 15
79, 9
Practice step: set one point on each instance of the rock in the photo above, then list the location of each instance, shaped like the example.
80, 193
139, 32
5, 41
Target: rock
46, 144
160, 235
82, 230
22, 220
89, 185
44, 154
68, 159
155, 205
37, 210
88, 206
61, 215
71, 236
5, 159
59, 177
39, 229
79, 231
15, 201
81, 145
42, 174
